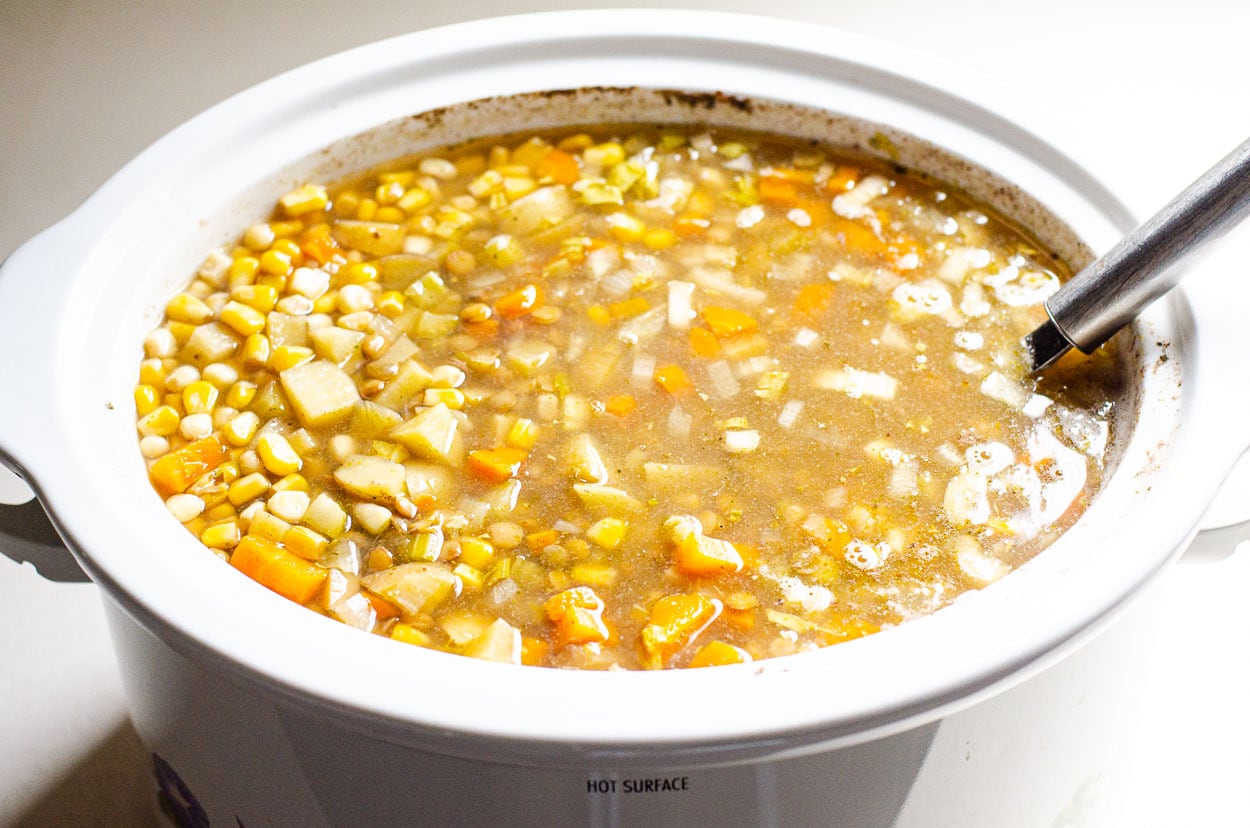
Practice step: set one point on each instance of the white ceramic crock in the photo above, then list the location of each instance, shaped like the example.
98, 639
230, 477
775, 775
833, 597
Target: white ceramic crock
262, 711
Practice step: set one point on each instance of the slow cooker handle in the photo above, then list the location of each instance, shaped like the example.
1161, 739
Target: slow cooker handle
32, 279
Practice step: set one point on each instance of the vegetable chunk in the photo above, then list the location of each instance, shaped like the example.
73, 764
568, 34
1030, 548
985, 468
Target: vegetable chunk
321, 393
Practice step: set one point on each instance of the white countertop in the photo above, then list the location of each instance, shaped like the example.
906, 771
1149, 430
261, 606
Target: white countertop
1157, 91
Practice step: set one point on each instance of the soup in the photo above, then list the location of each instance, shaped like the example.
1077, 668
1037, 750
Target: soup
623, 398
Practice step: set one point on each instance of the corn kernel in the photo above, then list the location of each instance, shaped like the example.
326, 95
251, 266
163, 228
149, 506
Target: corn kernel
241, 394
242, 271
224, 535
277, 455
261, 298
367, 210
516, 186
258, 237
152, 372
523, 434
243, 319
227, 472
410, 635
414, 199
184, 507
181, 330
304, 542
275, 263
599, 314
453, 398
390, 304
476, 552
241, 429
285, 229
439, 168
186, 308
147, 398
153, 446
293, 483
310, 198
218, 513
486, 183
199, 397
247, 488
604, 155
160, 343
196, 426
625, 227
607, 533
181, 377
288, 356
659, 238
289, 505
256, 351
220, 374
326, 516
393, 215
354, 298
358, 273
161, 421
469, 577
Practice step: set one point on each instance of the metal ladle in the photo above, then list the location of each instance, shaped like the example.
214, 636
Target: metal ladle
1147, 263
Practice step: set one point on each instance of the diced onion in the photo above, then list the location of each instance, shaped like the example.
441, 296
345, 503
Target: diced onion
742, 441
724, 385
998, 387
680, 303
789, 413
643, 371
856, 383
679, 422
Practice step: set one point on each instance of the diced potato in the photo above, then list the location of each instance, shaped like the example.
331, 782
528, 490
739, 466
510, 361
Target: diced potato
545, 207
285, 330
431, 435
209, 343
414, 587
338, 345
326, 516
498, 642
373, 238
408, 384
462, 627
398, 272
321, 393
371, 421
606, 499
584, 462
371, 478
528, 356
438, 482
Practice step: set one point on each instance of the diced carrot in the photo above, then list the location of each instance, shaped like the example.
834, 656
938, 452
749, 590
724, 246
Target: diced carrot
814, 298
577, 614
319, 245
626, 308
716, 653
778, 190
704, 343
742, 619
384, 608
673, 379
496, 465
842, 179
486, 329
790, 175
561, 167
519, 302
700, 556
424, 502
534, 651
750, 555
620, 405
860, 238
687, 225
674, 622
539, 541
174, 472
269, 564
726, 322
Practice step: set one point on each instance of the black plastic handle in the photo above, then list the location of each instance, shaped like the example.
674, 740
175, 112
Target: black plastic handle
27, 535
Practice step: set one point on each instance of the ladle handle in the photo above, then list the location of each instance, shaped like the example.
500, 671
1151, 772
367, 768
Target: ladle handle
1147, 263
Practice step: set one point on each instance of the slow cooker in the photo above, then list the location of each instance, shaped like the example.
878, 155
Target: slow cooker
258, 711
